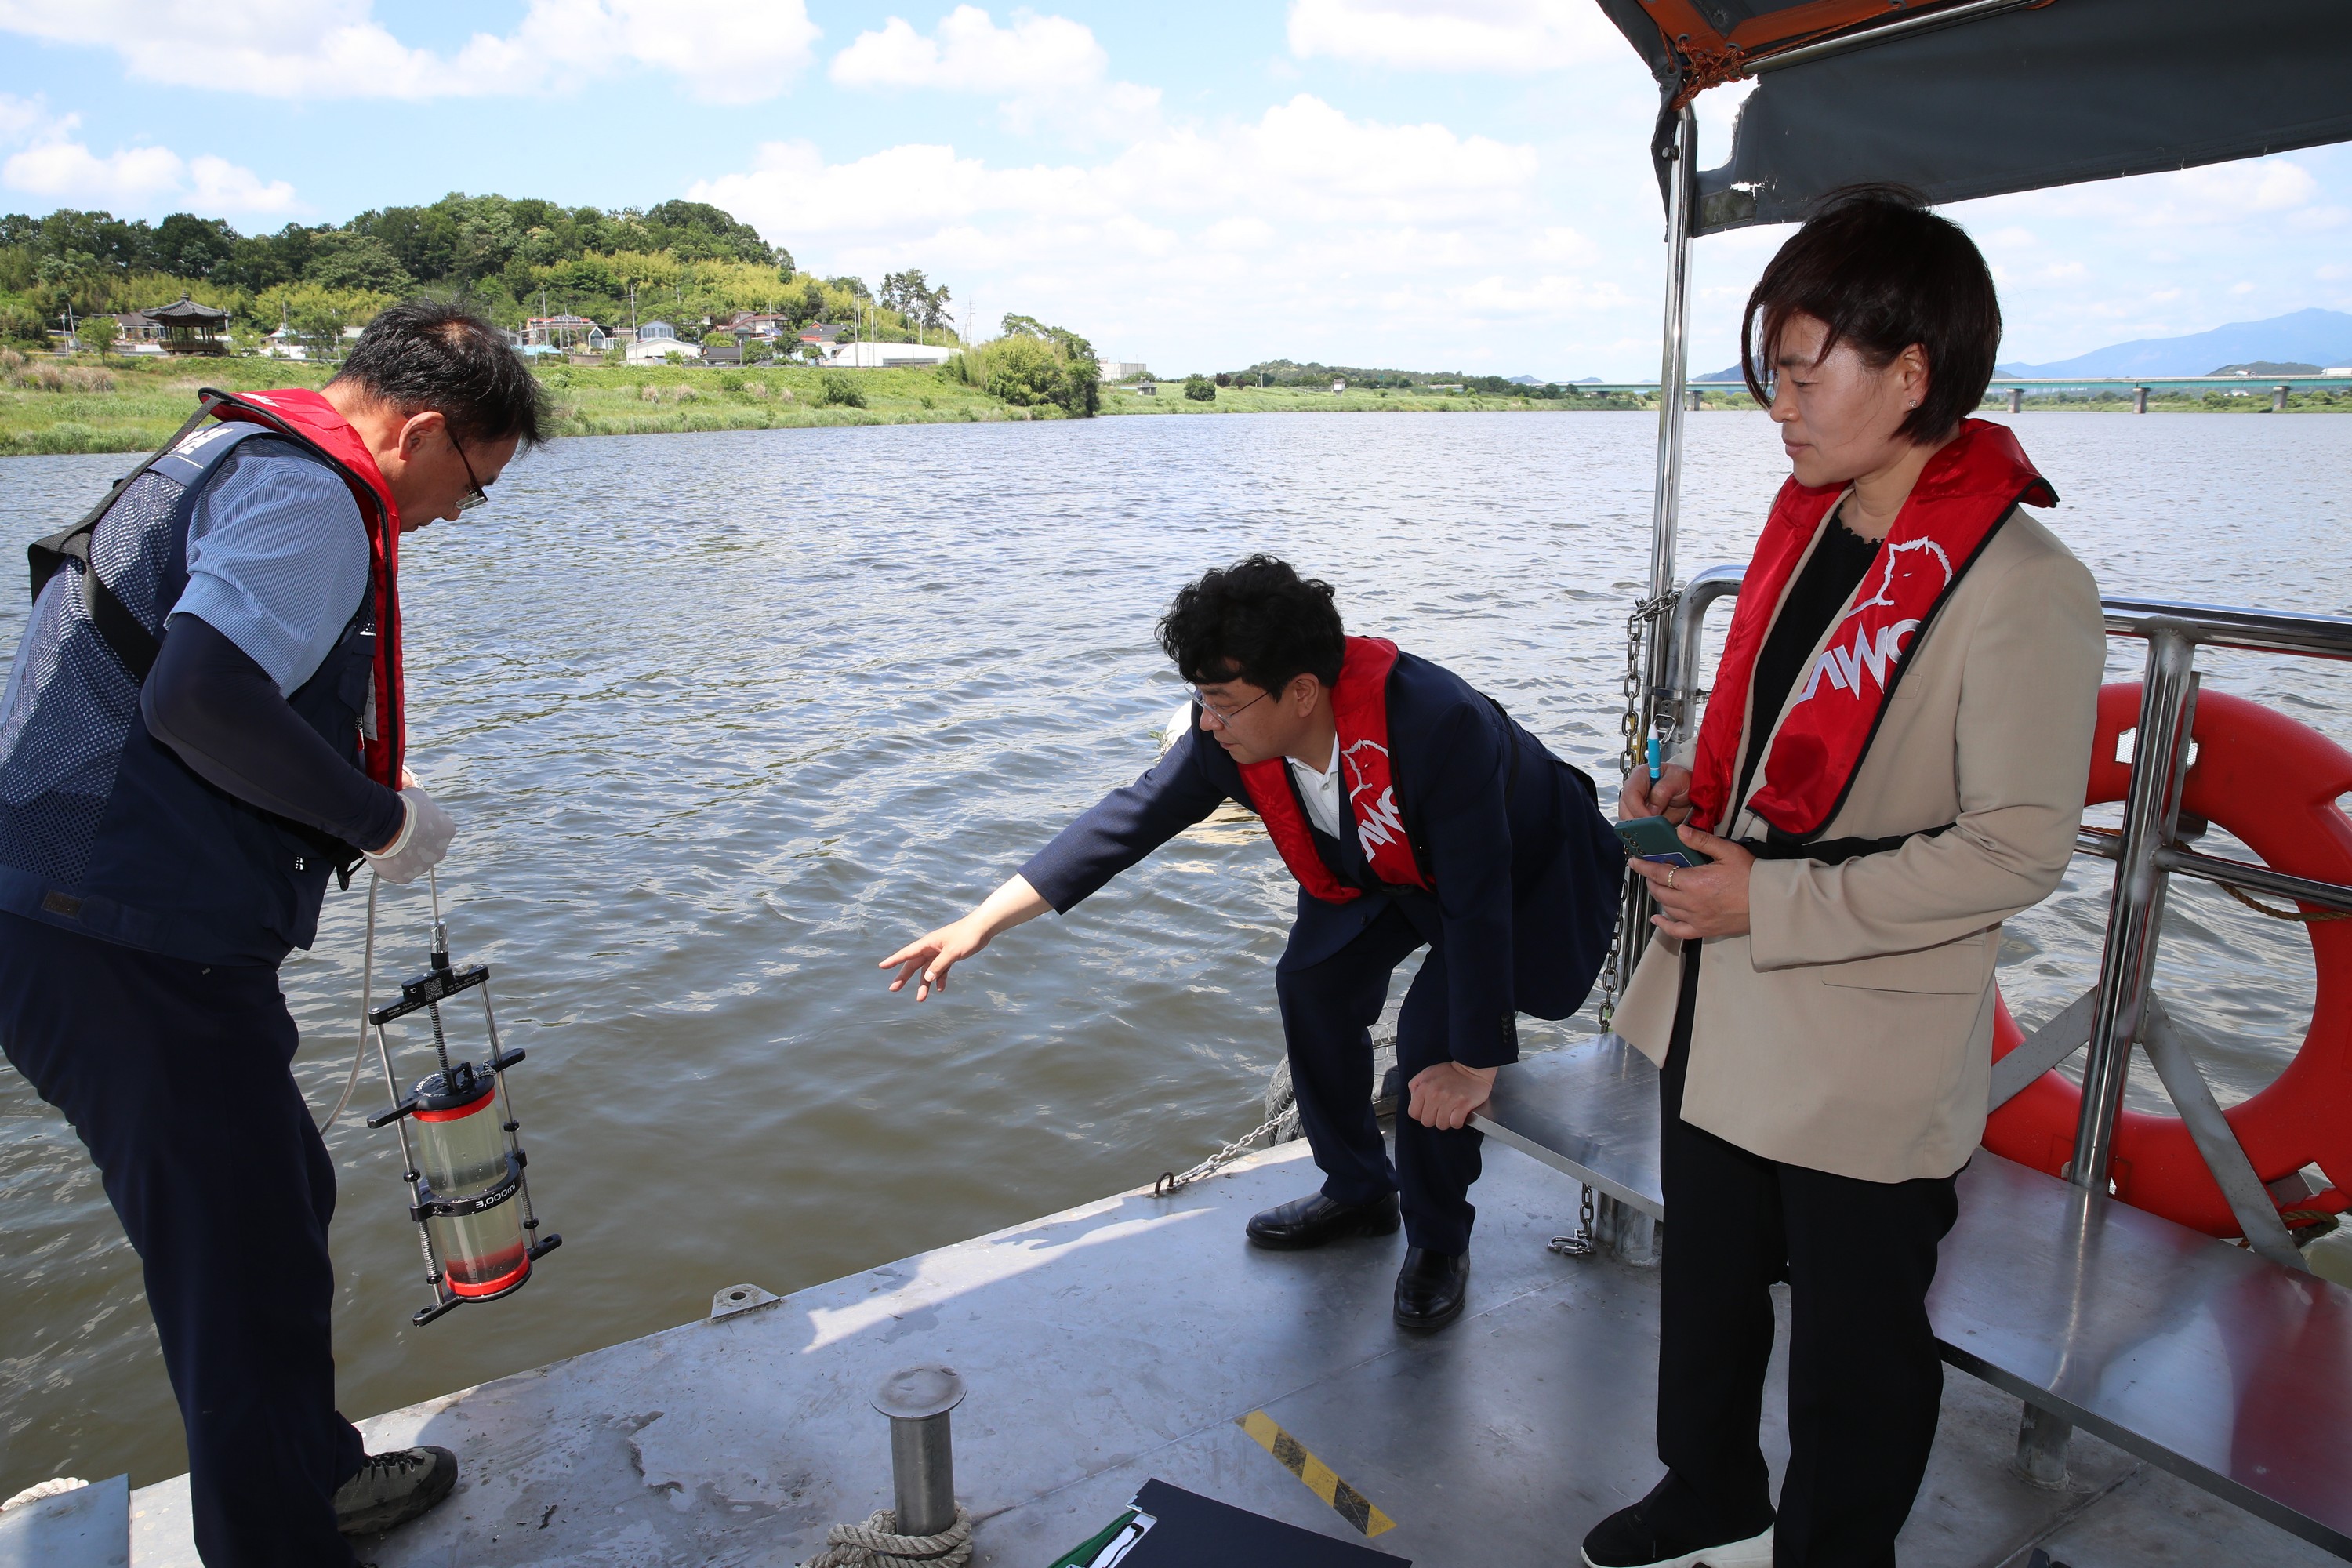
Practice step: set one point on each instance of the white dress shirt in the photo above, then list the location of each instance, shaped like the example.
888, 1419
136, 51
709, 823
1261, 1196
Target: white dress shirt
1320, 791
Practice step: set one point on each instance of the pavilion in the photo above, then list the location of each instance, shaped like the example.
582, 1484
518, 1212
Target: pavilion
190, 328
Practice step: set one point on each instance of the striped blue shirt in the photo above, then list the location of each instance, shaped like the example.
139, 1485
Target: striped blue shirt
277, 561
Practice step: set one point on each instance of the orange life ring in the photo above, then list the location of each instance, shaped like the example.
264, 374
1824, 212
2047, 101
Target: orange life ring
2274, 784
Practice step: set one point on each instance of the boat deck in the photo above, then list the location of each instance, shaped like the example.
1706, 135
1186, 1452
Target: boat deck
1126, 1340
2225, 1369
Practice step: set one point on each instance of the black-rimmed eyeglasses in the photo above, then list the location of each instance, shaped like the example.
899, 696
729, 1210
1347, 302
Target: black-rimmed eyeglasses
476, 492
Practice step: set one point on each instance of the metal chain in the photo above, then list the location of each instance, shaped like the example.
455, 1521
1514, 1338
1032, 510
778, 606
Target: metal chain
1170, 1183
1630, 754
1582, 1243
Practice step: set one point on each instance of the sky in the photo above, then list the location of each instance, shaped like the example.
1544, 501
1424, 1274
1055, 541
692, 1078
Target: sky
1436, 185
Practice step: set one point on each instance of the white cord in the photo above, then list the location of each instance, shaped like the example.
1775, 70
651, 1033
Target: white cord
367, 977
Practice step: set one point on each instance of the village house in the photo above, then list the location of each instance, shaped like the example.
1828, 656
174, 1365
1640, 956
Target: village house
657, 340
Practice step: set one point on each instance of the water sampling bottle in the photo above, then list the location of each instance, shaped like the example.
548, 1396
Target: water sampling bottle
464, 1163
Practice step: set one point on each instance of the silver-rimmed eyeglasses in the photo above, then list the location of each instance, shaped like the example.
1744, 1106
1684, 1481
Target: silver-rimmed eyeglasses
1224, 716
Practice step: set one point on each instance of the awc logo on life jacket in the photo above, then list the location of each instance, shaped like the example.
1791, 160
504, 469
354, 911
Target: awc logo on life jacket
1378, 823
1881, 653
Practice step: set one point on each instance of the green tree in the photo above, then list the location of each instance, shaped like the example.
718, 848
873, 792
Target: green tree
840, 391
357, 262
1024, 371
1199, 389
99, 332
319, 325
187, 245
21, 324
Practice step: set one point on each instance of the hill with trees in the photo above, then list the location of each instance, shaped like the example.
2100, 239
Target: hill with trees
680, 261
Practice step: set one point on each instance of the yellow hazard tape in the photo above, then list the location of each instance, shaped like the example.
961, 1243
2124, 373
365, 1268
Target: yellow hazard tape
1346, 1500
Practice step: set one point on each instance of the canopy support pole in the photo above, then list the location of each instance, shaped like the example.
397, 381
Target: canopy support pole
1673, 371
1652, 706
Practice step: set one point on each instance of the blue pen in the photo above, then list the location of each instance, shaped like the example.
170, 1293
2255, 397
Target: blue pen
1654, 756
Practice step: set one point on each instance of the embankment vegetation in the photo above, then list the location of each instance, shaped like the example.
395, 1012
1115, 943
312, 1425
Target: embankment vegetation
48, 407
684, 262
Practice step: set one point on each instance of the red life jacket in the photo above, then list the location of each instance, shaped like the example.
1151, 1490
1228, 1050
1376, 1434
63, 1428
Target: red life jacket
1359, 708
1962, 496
305, 416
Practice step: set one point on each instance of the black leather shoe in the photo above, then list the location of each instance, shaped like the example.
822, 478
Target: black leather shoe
1648, 1536
1310, 1222
1431, 1288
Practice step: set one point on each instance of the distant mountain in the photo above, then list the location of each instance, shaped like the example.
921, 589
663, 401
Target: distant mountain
1732, 374
2313, 337
2267, 367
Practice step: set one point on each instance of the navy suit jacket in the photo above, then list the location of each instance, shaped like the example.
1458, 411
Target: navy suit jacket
1525, 869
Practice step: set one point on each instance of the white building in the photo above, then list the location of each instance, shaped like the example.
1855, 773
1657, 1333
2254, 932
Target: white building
653, 351
885, 356
1120, 369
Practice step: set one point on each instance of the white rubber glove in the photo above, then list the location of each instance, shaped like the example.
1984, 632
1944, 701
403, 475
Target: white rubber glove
423, 841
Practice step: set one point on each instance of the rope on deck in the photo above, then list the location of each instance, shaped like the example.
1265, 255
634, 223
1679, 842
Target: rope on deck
876, 1543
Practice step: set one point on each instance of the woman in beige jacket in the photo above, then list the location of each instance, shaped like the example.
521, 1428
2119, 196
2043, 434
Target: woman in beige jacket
1893, 763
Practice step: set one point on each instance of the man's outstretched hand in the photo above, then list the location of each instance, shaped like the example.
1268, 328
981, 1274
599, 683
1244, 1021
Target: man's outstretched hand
1444, 1095
931, 956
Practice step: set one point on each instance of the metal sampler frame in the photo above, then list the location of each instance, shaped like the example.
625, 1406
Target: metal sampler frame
426, 993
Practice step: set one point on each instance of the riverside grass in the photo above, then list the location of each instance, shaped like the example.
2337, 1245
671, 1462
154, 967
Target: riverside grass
148, 399
132, 405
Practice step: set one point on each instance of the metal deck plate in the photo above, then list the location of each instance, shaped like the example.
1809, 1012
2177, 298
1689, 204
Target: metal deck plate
1588, 1110
89, 1528
2196, 1355
1126, 1340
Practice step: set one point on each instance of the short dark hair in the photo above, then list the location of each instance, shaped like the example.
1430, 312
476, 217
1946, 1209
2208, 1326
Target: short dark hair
1883, 273
1257, 620
429, 355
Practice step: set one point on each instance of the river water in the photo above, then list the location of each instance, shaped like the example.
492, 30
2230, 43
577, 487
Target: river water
725, 718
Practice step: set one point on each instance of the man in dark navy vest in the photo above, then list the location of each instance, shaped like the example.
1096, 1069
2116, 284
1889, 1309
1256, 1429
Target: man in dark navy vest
1414, 813
203, 719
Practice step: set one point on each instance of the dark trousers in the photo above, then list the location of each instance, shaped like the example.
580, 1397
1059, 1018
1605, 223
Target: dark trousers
175, 1075
1865, 1383
1328, 1012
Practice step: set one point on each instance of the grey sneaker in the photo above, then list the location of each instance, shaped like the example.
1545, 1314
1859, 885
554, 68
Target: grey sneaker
393, 1488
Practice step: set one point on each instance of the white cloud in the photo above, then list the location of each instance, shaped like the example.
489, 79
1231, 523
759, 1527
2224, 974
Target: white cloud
970, 53
1515, 37
1286, 234
50, 162
1045, 69
336, 48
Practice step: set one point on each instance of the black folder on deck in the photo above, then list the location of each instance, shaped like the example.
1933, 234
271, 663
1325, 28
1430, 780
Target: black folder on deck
1194, 1531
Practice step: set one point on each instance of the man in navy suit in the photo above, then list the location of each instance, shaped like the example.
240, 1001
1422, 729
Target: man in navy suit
1414, 812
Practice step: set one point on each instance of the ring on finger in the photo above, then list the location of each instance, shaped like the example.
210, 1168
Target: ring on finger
1670, 876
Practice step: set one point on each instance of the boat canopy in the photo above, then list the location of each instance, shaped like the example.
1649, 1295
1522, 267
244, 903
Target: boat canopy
1976, 98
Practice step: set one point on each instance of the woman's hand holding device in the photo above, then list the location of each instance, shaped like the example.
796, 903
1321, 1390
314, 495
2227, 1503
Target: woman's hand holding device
1699, 901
